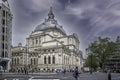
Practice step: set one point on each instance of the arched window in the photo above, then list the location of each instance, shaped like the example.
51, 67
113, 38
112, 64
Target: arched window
53, 60
44, 59
49, 60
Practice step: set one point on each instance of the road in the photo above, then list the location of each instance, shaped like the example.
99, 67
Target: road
60, 76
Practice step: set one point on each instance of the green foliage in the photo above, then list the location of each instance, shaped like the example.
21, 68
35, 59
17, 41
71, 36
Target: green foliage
92, 62
101, 49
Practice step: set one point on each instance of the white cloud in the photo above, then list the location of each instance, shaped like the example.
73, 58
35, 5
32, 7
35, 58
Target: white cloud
40, 5
102, 15
0, 1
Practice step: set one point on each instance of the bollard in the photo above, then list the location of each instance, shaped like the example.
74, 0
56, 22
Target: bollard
109, 76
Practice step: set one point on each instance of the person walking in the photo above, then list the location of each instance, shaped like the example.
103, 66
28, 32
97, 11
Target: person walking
109, 75
64, 71
76, 73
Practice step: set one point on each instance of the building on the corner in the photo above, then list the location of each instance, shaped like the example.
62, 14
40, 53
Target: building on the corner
49, 48
19, 58
113, 63
5, 34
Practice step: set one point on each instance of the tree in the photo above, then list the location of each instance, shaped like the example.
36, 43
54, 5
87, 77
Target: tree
101, 49
92, 62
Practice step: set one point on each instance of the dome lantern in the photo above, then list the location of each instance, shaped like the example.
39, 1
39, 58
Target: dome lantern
49, 24
50, 14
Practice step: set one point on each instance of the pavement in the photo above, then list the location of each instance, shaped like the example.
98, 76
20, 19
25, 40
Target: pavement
58, 76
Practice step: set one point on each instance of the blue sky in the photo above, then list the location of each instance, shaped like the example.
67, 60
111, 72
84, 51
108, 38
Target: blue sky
88, 18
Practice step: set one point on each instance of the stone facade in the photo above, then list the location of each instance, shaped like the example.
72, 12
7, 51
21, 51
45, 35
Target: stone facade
5, 35
49, 48
18, 57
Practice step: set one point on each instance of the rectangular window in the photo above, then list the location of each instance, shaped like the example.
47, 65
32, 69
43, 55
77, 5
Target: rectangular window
33, 42
3, 22
9, 15
49, 60
39, 40
36, 41
6, 54
3, 38
6, 38
53, 60
3, 29
2, 54
45, 60
6, 14
3, 13
3, 46
6, 46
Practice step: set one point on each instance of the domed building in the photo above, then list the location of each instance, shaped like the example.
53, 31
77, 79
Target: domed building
49, 48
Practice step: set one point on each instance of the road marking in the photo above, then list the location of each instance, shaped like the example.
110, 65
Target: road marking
64, 77
32, 78
13, 79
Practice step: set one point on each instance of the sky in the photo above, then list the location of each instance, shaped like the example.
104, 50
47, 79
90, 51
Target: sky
89, 19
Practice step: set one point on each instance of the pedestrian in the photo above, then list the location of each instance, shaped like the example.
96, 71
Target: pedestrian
18, 71
64, 71
22, 70
76, 73
109, 75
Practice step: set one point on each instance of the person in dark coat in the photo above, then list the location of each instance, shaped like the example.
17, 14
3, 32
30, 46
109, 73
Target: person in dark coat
76, 73
109, 75
64, 71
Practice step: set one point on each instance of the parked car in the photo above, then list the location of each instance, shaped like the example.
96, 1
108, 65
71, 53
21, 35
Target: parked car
86, 69
59, 70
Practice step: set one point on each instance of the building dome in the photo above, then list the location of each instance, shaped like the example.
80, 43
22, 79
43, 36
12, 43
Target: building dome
49, 23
